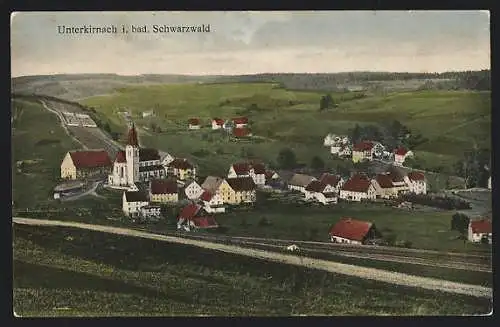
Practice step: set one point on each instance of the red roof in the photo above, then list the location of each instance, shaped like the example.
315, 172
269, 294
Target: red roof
269, 173
194, 121
400, 151
241, 168
481, 226
330, 179
384, 180
357, 183
351, 229
120, 157
163, 186
416, 176
206, 196
259, 168
90, 159
364, 146
316, 186
240, 120
218, 121
132, 136
241, 131
205, 222
189, 211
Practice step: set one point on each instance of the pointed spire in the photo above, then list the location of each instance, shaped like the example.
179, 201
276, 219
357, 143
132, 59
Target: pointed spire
132, 136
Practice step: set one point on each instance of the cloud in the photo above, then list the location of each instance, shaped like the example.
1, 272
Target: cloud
252, 42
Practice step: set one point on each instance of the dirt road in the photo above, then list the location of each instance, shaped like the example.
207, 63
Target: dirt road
334, 267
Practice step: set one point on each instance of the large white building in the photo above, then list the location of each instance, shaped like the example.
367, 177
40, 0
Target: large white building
135, 164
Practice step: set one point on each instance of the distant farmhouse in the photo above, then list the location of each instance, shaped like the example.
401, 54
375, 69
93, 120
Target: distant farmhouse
352, 231
401, 154
366, 150
480, 231
194, 123
217, 123
358, 187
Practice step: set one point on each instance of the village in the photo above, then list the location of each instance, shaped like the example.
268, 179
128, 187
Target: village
150, 179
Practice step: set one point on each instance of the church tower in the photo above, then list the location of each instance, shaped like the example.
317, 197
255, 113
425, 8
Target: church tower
132, 156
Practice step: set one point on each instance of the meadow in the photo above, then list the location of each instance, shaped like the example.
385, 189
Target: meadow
452, 121
39, 144
66, 272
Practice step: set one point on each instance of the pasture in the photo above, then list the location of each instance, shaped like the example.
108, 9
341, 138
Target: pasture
452, 121
66, 272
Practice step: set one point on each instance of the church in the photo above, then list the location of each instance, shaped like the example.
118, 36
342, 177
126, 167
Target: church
135, 164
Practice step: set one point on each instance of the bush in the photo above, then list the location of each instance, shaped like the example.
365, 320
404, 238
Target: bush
441, 202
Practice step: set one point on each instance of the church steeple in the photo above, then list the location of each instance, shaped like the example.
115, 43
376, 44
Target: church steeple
132, 136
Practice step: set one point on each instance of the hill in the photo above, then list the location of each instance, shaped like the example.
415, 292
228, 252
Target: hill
452, 121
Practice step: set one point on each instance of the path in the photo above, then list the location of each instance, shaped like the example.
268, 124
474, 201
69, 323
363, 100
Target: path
61, 121
334, 267
90, 191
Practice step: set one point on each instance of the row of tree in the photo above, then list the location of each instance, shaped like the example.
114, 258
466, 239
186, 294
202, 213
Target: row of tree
474, 167
441, 202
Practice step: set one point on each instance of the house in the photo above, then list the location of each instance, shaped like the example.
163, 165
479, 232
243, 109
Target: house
135, 164
241, 132
321, 192
335, 181
212, 202
256, 170
357, 188
271, 174
345, 151
193, 216
148, 113
193, 190
480, 231
150, 213
133, 201
299, 182
384, 187
83, 164
366, 150
182, 169
352, 231
217, 123
400, 155
399, 179
332, 139
237, 190
194, 123
163, 191
416, 182
212, 184
240, 122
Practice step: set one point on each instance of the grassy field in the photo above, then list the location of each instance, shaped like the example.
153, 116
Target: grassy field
39, 144
65, 272
451, 120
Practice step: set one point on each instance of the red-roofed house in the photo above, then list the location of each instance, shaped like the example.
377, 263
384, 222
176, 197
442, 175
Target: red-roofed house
321, 192
400, 155
479, 230
416, 182
256, 170
194, 123
182, 169
212, 202
365, 150
217, 123
240, 122
336, 181
352, 231
384, 186
357, 188
85, 163
163, 190
241, 132
194, 216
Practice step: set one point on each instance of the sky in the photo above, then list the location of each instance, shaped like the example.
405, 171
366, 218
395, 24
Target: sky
252, 42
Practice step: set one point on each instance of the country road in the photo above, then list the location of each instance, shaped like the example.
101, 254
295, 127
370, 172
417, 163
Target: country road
330, 266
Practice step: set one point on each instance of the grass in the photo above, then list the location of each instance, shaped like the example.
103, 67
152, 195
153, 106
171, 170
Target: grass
425, 230
67, 272
451, 120
40, 143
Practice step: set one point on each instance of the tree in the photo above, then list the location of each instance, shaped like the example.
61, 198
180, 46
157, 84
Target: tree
326, 102
106, 127
355, 134
286, 159
317, 163
460, 223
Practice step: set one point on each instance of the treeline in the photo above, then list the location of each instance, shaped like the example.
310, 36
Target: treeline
441, 202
